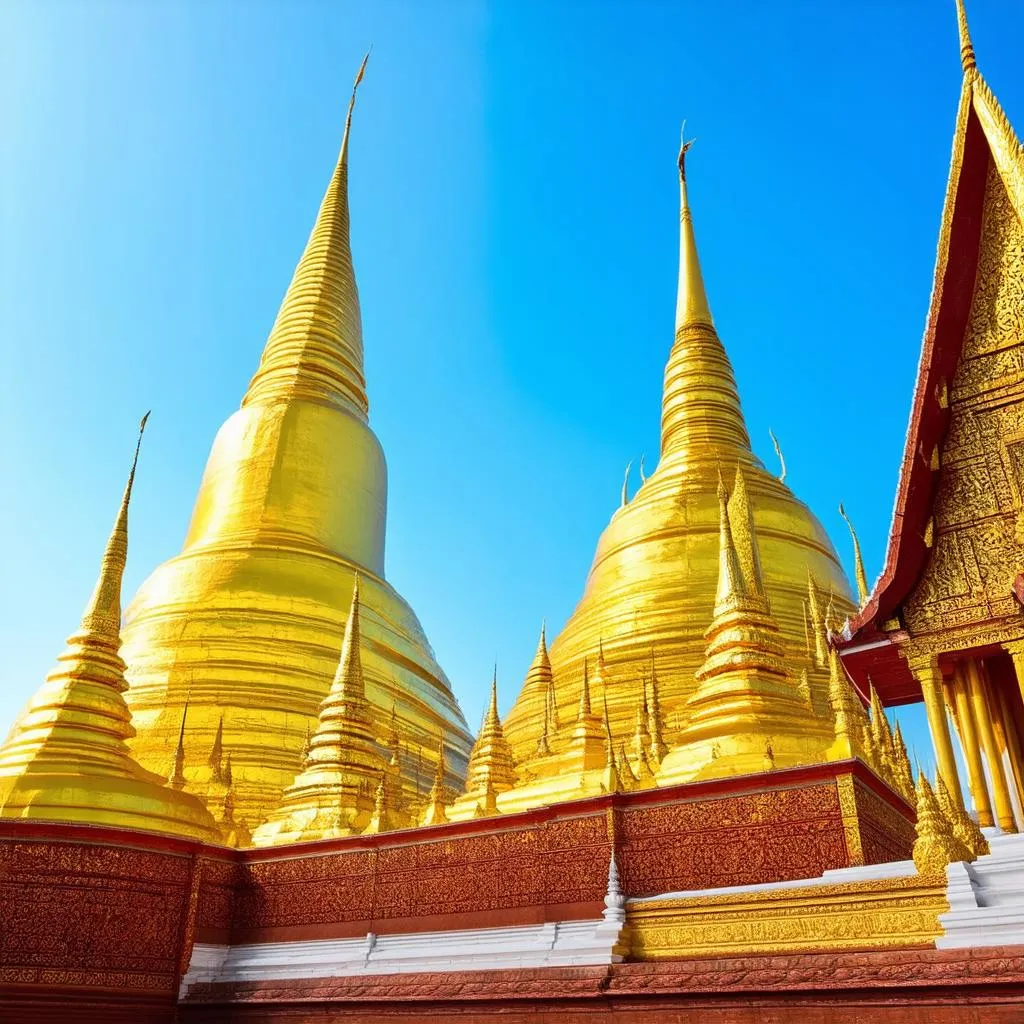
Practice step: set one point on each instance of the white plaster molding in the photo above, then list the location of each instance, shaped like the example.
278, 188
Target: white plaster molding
551, 944
986, 897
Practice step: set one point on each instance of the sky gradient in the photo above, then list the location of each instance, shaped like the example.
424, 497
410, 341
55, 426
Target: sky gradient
514, 226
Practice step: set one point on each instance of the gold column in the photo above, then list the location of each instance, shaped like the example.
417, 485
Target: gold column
983, 720
1016, 651
1006, 735
972, 751
926, 671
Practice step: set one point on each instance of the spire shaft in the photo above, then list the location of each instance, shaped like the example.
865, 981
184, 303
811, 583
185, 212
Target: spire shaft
700, 414
967, 58
315, 348
691, 299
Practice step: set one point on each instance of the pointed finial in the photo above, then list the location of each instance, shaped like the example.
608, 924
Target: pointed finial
744, 534
492, 708
584, 711
643, 475
216, 757
625, 485
863, 593
315, 347
817, 621
692, 301
102, 614
731, 584
228, 775
778, 452
967, 58
177, 777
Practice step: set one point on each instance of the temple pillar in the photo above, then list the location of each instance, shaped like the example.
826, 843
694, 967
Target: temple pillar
1006, 736
926, 671
983, 722
1015, 649
972, 751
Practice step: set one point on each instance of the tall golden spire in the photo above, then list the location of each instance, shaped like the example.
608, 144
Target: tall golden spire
315, 348
66, 758
292, 505
701, 414
967, 58
330, 796
863, 592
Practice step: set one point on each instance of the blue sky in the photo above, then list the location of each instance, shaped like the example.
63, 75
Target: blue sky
514, 225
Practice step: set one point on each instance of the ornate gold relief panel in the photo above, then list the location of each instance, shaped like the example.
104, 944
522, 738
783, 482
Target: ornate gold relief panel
979, 508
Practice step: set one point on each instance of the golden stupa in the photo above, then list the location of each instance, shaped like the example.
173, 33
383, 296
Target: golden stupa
67, 757
650, 594
246, 623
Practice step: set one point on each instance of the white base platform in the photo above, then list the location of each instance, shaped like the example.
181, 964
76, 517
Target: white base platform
554, 944
986, 898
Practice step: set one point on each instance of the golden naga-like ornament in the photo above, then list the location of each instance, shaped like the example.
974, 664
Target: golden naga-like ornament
654, 575
67, 757
292, 506
936, 845
331, 795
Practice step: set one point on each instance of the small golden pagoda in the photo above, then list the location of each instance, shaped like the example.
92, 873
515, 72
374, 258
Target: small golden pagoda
655, 573
491, 770
67, 757
333, 794
245, 623
746, 714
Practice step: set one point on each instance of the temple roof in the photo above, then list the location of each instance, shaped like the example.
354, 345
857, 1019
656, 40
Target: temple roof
983, 138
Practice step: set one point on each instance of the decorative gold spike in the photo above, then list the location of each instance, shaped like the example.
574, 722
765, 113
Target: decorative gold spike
936, 845
434, 813
236, 833
858, 561
964, 827
741, 523
732, 587
66, 758
658, 748
176, 780
216, 758
821, 658
490, 762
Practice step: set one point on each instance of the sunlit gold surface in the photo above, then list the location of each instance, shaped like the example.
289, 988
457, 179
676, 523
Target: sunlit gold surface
893, 912
654, 577
246, 622
746, 714
67, 758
